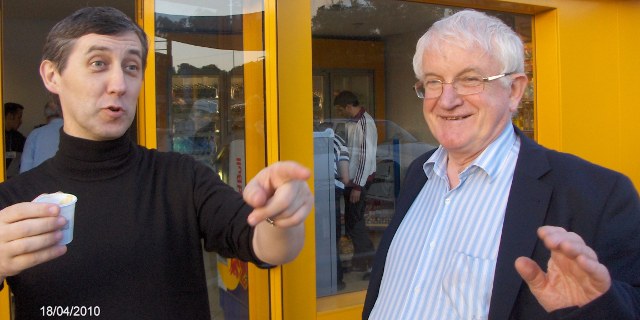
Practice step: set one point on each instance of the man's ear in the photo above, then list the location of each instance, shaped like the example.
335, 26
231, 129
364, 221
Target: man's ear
518, 85
49, 75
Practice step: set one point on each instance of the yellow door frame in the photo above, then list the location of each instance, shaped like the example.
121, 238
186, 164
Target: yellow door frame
288, 25
146, 112
5, 302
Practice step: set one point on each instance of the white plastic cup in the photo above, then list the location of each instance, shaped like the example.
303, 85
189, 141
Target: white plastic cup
67, 204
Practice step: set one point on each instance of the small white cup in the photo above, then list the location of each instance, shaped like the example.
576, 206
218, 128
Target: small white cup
67, 204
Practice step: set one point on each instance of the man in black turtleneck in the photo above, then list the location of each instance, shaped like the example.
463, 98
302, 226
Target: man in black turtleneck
141, 215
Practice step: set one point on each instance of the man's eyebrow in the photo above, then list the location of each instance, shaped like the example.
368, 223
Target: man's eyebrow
133, 51
461, 72
97, 48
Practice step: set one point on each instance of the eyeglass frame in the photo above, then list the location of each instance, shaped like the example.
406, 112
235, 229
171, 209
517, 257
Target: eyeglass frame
421, 84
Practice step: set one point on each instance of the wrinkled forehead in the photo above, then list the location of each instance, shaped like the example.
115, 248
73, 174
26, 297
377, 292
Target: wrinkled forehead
126, 43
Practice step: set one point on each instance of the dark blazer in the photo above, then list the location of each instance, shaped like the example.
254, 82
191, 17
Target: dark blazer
549, 188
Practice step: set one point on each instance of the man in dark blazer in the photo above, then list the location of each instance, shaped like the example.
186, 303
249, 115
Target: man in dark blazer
577, 220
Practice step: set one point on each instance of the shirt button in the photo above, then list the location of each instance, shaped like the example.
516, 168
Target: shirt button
432, 244
416, 290
447, 201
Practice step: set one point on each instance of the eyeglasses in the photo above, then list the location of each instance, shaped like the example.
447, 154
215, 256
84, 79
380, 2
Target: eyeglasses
464, 85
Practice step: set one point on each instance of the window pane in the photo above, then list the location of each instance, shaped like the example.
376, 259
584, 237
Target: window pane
200, 80
360, 47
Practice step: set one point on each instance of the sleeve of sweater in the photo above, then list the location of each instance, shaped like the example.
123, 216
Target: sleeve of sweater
222, 215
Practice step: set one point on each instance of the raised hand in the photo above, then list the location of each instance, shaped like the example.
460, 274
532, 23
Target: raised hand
574, 276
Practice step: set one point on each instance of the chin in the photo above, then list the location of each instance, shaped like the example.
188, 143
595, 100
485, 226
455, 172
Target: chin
112, 134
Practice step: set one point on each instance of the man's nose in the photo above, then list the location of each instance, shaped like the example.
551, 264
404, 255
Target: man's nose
449, 97
117, 84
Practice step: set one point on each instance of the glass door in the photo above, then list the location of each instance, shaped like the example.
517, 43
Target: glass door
358, 46
208, 74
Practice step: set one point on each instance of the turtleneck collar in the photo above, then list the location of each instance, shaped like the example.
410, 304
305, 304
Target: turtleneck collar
88, 160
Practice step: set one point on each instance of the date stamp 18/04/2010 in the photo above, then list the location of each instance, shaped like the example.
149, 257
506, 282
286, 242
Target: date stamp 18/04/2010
70, 311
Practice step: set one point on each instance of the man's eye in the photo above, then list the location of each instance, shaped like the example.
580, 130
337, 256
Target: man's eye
98, 64
470, 80
432, 83
133, 67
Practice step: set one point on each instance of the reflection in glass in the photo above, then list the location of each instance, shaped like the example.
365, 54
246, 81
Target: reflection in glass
200, 64
359, 46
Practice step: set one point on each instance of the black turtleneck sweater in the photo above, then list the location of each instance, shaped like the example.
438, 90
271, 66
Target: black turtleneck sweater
140, 220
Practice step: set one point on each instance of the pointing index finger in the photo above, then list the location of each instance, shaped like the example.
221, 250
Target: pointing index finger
264, 184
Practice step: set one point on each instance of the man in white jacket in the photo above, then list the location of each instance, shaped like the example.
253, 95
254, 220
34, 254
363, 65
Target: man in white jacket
362, 138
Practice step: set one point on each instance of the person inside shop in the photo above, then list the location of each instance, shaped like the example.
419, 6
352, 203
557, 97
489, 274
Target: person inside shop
142, 216
13, 139
362, 139
341, 179
507, 229
42, 142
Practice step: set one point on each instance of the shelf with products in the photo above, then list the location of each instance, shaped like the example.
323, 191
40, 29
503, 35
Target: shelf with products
380, 205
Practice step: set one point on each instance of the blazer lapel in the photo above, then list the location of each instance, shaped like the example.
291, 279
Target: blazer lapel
526, 210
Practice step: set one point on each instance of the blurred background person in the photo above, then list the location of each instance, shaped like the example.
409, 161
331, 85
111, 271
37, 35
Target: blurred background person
42, 142
13, 139
362, 139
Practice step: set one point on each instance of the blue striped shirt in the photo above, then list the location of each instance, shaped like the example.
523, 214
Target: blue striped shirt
442, 259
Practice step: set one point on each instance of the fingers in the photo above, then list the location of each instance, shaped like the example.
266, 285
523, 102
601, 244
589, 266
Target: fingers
28, 236
31, 227
28, 219
289, 205
28, 210
570, 244
13, 264
570, 247
264, 184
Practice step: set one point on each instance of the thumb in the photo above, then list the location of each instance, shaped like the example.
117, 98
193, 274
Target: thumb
531, 273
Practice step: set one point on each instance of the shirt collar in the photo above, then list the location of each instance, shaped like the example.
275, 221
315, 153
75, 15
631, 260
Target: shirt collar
498, 150
358, 115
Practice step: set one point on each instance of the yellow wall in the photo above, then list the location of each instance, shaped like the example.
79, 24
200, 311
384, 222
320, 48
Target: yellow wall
591, 109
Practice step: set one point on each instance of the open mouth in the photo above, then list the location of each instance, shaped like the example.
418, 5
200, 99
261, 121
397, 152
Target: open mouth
114, 109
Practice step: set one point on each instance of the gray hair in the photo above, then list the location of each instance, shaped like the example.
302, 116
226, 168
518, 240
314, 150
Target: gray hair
52, 109
469, 28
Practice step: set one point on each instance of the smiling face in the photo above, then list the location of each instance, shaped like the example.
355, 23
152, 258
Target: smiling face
99, 86
466, 125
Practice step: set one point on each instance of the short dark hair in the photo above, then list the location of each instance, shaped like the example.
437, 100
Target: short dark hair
98, 20
12, 108
345, 98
